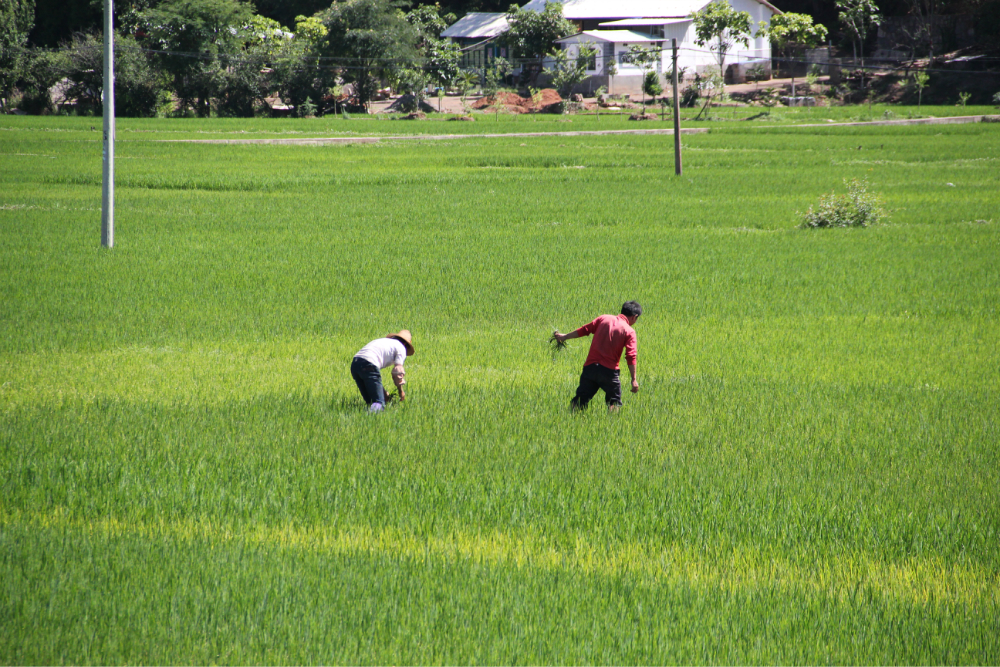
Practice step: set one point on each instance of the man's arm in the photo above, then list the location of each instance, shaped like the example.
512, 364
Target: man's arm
585, 330
635, 381
562, 338
399, 379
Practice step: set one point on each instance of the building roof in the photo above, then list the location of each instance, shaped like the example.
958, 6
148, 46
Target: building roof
624, 9
478, 25
617, 36
620, 23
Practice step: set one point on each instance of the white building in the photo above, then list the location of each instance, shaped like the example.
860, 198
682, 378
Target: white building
613, 26
475, 34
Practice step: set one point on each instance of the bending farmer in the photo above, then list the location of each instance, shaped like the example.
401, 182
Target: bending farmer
381, 353
612, 334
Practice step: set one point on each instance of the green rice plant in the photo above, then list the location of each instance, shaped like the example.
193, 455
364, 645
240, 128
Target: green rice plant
188, 474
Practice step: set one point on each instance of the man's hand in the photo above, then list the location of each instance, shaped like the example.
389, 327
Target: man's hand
635, 379
402, 395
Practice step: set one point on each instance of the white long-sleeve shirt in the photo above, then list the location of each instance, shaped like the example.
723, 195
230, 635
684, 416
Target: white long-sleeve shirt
383, 352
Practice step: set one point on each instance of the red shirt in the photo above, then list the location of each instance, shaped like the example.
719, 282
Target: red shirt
611, 334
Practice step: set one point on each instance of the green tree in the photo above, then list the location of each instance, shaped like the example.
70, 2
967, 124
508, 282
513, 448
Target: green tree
859, 18
532, 34
441, 57
720, 26
196, 37
790, 31
298, 73
920, 82
644, 58
367, 38
17, 18
651, 86
566, 72
140, 89
244, 85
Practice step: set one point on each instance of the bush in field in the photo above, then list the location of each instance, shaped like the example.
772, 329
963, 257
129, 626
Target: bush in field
858, 208
651, 84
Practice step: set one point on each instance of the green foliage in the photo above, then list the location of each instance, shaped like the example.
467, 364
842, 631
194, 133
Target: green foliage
792, 29
532, 34
440, 57
466, 81
859, 18
651, 84
140, 90
428, 22
41, 72
242, 88
307, 109
196, 36
963, 98
368, 38
721, 27
858, 208
996, 99
17, 17
920, 79
567, 72
494, 75
298, 73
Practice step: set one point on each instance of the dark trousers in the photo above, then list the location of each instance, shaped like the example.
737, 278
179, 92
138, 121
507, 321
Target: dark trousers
369, 381
594, 377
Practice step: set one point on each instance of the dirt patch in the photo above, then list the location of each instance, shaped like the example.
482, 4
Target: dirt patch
644, 116
465, 118
547, 101
408, 103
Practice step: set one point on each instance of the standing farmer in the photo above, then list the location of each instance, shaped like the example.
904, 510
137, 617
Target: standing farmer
612, 334
381, 353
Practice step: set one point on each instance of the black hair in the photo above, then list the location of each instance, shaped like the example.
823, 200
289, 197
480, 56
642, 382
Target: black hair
631, 309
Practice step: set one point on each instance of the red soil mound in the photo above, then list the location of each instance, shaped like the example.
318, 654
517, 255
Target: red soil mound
513, 103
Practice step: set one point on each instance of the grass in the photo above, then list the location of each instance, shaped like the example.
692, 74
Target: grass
155, 129
807, 474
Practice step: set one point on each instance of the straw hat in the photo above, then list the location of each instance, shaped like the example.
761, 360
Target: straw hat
406, 339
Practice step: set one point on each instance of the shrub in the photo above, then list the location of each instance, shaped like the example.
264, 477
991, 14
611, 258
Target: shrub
996, 99
651, 84
858, 208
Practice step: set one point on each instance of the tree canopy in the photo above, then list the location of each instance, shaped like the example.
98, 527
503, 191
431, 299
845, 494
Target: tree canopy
721, 26
367, 37
17, 17
531, 34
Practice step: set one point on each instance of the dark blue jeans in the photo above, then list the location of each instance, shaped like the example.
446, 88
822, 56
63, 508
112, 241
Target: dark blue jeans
369, 381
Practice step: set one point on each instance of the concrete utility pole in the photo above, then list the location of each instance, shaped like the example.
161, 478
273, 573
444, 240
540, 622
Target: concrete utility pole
108, 171
677, 114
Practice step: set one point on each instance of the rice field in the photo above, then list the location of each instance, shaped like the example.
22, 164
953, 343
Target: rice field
808, 474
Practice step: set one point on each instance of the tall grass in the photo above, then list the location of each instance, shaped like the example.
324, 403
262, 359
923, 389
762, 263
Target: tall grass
807, 474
